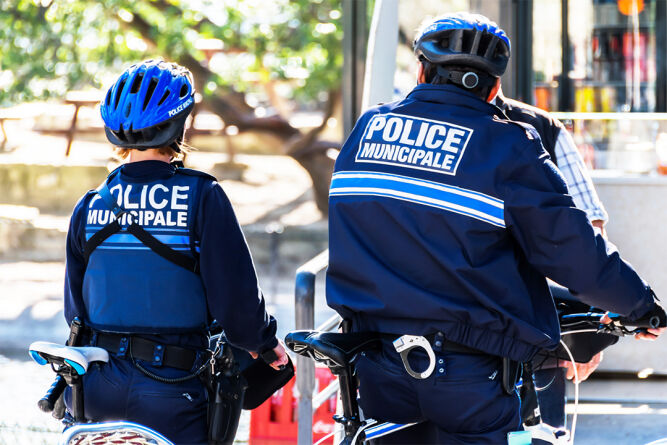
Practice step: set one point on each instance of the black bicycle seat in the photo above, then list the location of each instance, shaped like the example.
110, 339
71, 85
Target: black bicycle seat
331, 348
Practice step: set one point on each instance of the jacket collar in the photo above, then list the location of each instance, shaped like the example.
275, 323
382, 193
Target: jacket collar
450, 95
146, 171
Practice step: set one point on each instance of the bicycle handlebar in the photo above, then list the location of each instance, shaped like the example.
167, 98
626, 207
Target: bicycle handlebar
47, 402
619, 325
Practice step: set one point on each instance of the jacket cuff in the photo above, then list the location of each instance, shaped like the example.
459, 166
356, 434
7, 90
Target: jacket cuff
268, 345
644, 306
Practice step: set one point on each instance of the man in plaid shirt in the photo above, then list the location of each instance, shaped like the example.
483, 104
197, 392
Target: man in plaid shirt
558, 142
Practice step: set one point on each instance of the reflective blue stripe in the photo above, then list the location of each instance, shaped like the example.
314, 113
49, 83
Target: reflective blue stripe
130, 239
384, 429
466, 202
142, 247
95, 227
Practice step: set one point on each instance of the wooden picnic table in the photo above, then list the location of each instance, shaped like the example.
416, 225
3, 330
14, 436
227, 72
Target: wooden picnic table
3, 118
79, 99
11, 114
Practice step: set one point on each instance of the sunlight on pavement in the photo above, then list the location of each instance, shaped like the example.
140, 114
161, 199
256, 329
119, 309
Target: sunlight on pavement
614, 408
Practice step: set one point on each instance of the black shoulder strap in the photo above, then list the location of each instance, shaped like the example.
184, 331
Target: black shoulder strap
106, 196
162, 249
113, 227
99, 237
136, 230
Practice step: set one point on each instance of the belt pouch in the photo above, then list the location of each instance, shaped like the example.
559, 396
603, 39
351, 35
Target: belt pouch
224, 408
511, 373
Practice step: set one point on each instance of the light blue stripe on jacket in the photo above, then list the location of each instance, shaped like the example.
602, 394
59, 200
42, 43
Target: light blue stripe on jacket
455, 199
130, 239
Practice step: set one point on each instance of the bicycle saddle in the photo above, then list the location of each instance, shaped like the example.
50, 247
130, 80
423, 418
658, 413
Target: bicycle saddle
331, 348
76, 357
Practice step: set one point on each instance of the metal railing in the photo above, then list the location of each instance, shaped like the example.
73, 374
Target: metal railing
304, 312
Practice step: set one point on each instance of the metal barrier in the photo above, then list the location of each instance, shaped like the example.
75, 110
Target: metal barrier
304, 311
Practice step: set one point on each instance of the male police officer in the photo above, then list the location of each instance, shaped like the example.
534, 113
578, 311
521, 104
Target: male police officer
444, 220
153, 255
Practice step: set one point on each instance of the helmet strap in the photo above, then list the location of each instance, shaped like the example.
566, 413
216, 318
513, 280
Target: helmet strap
467, 80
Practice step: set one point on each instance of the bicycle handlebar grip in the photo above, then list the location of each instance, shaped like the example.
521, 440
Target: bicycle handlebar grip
47, 402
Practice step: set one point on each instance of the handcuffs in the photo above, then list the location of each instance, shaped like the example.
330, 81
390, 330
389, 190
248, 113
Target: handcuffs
406, 343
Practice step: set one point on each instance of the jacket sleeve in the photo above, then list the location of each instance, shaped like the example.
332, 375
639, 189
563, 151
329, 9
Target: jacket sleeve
559, 241
75, 265
579, 182
233, 294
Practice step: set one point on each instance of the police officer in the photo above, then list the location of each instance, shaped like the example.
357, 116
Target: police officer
153, 256
445, 217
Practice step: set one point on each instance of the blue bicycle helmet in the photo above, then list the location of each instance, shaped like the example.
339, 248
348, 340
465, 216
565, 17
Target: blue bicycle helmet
148, 105
464, 39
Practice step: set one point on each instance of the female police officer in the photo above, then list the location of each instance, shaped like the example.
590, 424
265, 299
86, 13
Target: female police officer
444, 219
153, 255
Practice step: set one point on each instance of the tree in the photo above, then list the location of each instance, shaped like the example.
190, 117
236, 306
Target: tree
282, 51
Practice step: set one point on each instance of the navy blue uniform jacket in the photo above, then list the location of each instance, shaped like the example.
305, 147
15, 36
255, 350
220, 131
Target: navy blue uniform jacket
445, 216
227, 272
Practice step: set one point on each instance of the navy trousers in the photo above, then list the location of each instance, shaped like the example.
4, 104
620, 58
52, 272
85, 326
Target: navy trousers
550, 384
462, 402
117, 390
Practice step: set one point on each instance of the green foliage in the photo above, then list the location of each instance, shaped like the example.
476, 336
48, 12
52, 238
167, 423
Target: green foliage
48, 47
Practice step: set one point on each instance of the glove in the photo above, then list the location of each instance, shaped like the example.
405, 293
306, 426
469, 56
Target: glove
654, 318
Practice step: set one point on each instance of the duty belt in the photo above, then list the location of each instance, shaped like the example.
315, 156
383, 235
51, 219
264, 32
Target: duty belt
440, 343
403, 344
128, 346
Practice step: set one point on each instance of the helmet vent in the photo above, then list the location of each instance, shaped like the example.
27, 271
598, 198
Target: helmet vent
149, 93
184, 90
120, 134
164, 97
137, 83
108, 99
121, 86
128, 108
491, 49
444, 43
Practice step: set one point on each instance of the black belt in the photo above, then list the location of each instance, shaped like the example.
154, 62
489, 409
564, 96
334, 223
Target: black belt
450, 346
441, 344
147, 350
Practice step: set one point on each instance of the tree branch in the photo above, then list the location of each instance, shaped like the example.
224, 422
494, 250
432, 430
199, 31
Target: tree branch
311, 136
232, 107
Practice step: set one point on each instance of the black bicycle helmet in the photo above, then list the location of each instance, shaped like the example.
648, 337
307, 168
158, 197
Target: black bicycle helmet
464, 39
148, 105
